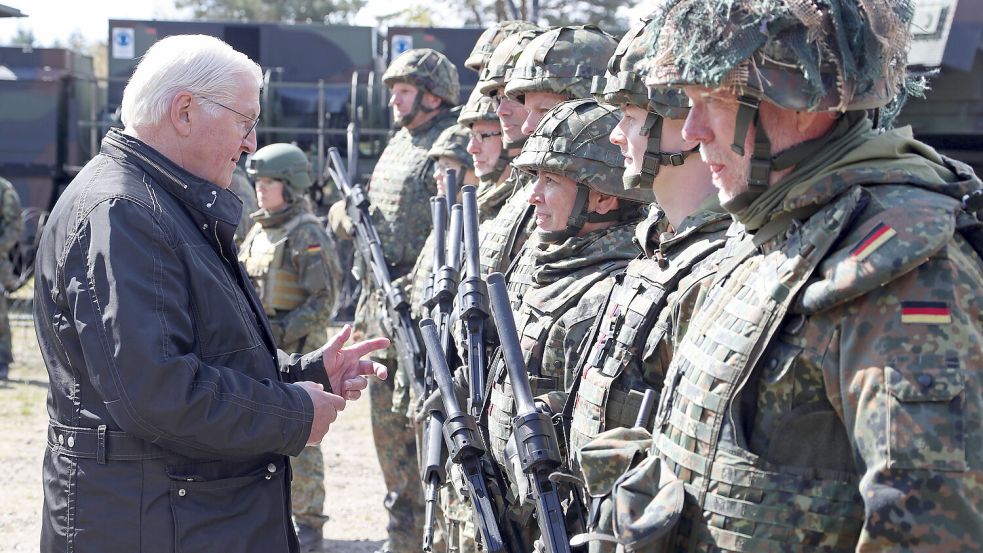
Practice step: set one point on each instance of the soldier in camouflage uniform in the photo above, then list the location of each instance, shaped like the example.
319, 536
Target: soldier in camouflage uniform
243, 188
827, 394
11, 227
293, 266
585, 221
489, 155
424, 86
650, 305
549, 68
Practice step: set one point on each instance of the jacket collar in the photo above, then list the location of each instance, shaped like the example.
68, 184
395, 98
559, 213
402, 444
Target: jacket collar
205, 200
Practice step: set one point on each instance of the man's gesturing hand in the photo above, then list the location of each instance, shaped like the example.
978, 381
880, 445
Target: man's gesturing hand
326, 407
345, 367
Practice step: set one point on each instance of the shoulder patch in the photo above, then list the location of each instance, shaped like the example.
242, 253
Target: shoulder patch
901, 229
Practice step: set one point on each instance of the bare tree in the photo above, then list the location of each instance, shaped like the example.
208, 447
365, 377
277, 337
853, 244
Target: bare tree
321, 11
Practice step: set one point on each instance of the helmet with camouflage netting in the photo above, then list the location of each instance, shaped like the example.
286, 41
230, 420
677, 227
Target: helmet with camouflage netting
427, 69
563, 61
803, 55
283, 162
503, 59
453, 143
491, 38
624, 83
572, 141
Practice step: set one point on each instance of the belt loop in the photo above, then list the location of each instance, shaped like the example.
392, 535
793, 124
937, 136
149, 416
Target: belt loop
101, 444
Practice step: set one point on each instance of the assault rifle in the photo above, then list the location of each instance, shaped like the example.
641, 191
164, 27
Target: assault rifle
473, 305
398, 322
466, 448
539, 450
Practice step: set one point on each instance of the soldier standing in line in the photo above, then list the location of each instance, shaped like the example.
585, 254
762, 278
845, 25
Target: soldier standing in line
292, 263
652, 301
485, 46
488, 153
554, 66
585, 220
11, 227
827, 394
424, 87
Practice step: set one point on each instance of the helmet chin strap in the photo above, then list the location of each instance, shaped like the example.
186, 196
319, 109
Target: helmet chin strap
654, 157
762, 160
417, 108
579, 216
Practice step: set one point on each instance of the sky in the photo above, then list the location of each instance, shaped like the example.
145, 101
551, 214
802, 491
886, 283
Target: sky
56, 19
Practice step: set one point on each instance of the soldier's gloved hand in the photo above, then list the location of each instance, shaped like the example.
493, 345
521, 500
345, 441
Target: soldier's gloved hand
435, 402
339, 221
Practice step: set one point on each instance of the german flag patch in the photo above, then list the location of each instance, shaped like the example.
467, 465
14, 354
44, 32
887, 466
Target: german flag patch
313, 248
874, 239
925, 312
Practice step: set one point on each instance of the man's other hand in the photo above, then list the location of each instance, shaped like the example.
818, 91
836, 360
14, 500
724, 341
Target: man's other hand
326, 408
345, 367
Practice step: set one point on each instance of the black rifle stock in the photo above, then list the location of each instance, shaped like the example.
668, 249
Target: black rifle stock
535, 437
370, 248
473, 304
466, 449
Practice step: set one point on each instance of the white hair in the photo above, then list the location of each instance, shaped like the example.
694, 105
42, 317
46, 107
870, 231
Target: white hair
199, 64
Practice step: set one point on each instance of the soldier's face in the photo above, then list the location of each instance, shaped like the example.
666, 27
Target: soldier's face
711, 121
627, 136
538, 103
440, 173
511, 114
483, 147
219, 136
401, 99
553, 196
269, 194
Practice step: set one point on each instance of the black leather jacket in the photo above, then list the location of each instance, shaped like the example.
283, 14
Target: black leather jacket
171, 412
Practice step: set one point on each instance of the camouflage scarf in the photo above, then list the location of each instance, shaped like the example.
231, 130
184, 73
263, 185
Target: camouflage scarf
611, 244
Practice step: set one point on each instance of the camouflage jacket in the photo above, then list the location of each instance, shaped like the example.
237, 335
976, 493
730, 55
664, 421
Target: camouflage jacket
643, 320
293, 265
570, 282
11, 228
492, 196
828, 393
501, 237
400, 192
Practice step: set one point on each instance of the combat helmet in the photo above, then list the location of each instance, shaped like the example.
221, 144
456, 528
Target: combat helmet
563, 60
428, 70
503, 59
572, 140
283, 162
453, 143
804, 55
481, 108
491, 38
624, 83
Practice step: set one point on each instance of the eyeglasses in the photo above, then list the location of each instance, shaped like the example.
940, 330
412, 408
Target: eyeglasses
252, 122
479, 137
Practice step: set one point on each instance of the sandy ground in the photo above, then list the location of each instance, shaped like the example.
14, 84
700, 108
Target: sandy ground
354, 484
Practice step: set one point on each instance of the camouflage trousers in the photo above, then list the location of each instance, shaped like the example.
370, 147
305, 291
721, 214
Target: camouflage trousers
307, 487
6, 349
395, 444
455, 508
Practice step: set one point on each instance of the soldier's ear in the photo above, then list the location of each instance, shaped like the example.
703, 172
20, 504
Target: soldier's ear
431, 101
182, 111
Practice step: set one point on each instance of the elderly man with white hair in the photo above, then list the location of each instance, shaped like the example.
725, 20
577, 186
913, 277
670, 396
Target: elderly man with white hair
172, 412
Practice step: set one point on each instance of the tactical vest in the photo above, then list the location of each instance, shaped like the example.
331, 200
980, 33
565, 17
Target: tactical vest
735, 500
264, 255
498, 238
612, 385
400, 192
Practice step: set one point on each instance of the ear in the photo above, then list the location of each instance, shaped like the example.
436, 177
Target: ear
431, 101
602, 203
182, 112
